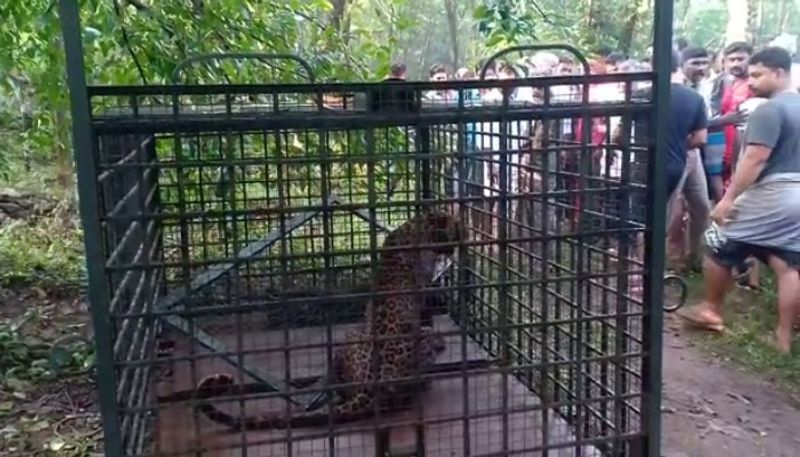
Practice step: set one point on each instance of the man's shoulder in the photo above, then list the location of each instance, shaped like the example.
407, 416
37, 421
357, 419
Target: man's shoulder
788, 98
686, 91
688, 98
775, 105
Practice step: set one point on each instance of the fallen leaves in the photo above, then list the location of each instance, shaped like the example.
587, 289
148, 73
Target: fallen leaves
737, 396
56, 444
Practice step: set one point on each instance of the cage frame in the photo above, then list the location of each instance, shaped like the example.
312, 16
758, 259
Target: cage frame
82, 141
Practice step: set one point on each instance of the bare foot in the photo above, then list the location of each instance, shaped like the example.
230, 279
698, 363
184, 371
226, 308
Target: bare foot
782, 344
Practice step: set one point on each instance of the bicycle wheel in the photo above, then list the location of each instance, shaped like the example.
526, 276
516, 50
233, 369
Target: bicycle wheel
676, 293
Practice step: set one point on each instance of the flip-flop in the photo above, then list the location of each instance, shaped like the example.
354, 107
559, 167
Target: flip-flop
697, 319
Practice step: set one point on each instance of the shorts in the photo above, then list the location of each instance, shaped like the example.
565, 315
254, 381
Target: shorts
733, 254
714, 153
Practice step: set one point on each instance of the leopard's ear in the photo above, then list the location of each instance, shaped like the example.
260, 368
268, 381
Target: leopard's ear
439, 218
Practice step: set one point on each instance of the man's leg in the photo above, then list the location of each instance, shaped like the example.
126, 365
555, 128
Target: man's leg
717, 267
675, 216
788, 299
717, 279
695, 191
715, 187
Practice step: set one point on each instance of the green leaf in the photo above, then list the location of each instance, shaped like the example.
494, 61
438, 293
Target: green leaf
60, 357
6, 406
89, 361
324, 5
481, 12
17, 385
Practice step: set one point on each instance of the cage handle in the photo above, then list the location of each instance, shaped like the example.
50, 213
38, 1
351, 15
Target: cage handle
538, 47
185, 63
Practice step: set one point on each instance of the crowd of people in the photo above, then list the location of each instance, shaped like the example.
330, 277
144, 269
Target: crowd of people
733, 161
741, 177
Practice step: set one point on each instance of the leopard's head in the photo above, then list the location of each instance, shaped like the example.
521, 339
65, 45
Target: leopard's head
444, 228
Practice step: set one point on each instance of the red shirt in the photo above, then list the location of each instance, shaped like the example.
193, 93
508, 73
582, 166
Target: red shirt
733, 95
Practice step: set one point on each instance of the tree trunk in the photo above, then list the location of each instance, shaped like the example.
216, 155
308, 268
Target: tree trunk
629, 29
752, 20
783, 15
452, 24
589, 13
337, 14
683, 13
736, 29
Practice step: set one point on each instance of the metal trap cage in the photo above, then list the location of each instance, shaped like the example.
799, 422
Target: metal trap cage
242, 233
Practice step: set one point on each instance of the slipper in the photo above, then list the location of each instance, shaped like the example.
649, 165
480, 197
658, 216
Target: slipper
698, 318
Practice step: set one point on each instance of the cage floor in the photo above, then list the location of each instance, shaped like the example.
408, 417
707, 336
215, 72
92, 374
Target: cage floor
181, 431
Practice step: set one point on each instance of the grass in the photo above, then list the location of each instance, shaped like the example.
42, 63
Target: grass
749, 316
44, 252
47, 403
46, 366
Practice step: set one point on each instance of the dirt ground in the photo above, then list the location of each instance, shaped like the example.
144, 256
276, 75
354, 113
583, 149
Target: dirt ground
711, 408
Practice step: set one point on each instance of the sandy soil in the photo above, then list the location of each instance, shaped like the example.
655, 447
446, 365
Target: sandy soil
713, 409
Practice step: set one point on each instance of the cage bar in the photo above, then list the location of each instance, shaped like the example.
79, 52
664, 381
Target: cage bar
240, 230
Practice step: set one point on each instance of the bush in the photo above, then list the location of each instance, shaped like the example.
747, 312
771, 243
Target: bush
46, 252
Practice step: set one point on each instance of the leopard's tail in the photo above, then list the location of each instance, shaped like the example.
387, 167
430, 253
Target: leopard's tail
223, 384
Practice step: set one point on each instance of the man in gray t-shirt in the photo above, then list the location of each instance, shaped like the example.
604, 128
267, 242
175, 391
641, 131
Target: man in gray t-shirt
773, 125
759, 215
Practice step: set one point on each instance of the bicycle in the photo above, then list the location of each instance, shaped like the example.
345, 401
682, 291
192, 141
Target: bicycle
676, 293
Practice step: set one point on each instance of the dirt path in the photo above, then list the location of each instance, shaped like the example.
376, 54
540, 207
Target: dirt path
711, 409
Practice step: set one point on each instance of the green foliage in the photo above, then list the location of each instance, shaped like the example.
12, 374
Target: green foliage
506, 22
585, 24
749, 318
703, 24
25, 358
42, 252
29, 363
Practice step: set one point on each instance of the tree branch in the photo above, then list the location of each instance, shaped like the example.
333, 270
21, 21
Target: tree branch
137, 4
542, 13
127, 42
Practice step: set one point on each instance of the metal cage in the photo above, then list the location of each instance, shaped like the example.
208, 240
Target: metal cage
237, 229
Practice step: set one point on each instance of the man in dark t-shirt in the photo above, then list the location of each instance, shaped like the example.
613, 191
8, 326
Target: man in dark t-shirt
687, 129
686, 126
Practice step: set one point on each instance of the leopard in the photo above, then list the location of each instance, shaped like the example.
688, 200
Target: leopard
390, 345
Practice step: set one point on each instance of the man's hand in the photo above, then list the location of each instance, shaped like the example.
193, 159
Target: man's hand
722, 212
736, 117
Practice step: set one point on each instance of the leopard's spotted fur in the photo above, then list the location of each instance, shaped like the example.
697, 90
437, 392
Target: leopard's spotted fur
398, 314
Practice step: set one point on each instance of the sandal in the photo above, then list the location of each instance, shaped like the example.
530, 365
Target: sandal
699, 318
